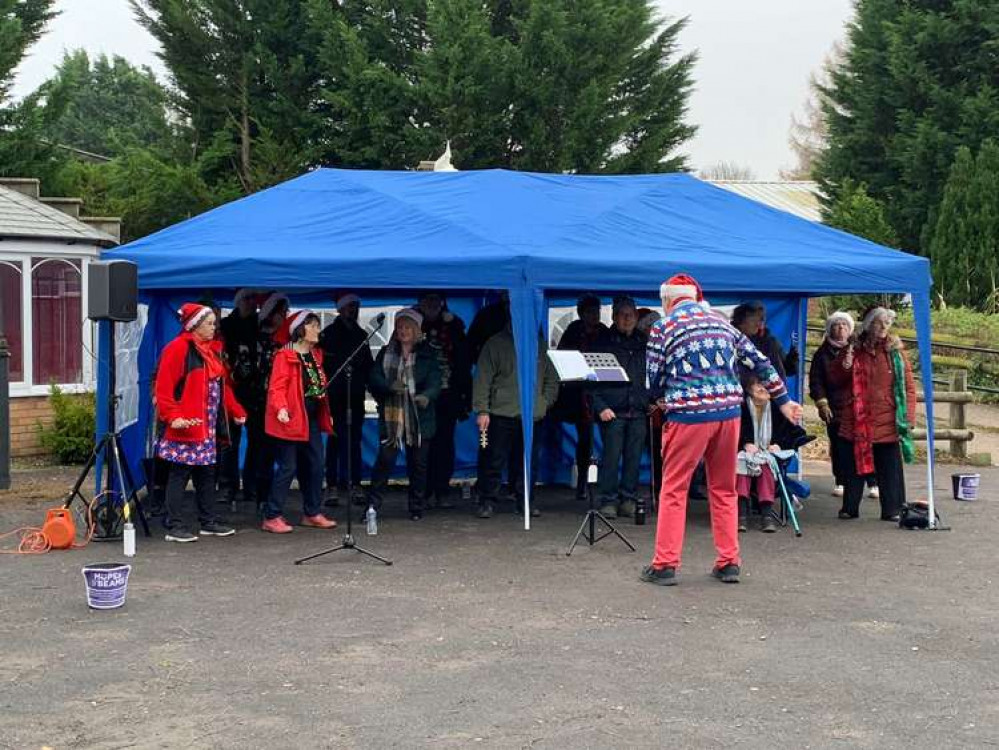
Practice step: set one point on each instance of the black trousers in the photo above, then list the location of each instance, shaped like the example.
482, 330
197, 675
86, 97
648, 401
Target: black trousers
887, 469
623, 437
440, 463
506, 448
416, 469
258, 467
176, 486
345, 445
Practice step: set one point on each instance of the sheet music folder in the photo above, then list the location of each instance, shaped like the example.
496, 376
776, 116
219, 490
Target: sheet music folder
573, 366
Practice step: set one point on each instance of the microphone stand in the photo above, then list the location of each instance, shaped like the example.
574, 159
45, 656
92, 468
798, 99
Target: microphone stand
348, 537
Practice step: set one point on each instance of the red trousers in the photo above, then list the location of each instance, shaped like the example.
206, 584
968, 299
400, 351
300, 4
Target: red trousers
684, 445
766, 486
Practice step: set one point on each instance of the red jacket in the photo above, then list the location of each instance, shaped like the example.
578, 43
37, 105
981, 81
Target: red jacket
880, 386
182, 391
286, 391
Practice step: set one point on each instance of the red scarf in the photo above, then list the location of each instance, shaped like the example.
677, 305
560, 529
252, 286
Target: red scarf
209, 353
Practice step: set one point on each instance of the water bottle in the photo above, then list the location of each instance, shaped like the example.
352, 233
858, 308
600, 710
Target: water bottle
640, 513
128, 539
371, 519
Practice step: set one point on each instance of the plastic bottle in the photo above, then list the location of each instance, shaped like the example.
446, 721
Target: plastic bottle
371, 518
128, 539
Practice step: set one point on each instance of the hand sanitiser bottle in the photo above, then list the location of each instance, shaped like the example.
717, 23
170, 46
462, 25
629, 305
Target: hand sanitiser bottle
371, 518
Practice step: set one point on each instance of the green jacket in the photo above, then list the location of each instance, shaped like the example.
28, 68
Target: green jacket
496, 391
427, 377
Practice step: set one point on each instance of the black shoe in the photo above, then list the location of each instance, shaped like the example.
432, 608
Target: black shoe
180, 535
445, 503
416, 515
659, 576
216, 529
727, 573
536, 511
768, 524
845, 516
890, 518
485, 511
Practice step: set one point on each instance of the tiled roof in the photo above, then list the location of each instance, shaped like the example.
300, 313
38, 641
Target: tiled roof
22, 216
798, 198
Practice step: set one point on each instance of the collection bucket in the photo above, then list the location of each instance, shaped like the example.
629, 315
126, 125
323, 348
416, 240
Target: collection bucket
106, 584
965, 486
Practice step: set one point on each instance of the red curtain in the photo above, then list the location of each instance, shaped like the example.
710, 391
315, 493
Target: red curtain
10, 317
57, 321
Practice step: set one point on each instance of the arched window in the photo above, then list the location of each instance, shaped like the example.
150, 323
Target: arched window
56, 321
11, 316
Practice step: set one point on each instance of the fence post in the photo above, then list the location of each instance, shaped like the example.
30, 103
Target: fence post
4, 413
958, 383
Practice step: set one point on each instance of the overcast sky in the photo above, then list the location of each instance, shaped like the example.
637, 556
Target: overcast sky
755, 59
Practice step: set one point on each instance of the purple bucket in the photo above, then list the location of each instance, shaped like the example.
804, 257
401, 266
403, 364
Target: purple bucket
965, 486
106, 584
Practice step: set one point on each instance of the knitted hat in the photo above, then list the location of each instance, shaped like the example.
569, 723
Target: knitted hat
681, 286
268, 306
192, 315
840, 317
347, 299
411, 313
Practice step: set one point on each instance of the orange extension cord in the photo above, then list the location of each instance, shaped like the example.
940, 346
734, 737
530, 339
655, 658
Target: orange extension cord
34, 542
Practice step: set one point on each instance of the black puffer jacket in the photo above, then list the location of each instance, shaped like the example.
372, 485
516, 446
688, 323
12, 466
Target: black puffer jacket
624, 399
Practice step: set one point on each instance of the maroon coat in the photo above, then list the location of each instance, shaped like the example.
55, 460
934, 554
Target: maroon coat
880, 385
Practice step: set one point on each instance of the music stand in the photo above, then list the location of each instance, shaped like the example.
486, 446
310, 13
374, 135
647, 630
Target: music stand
347, 368
593, 367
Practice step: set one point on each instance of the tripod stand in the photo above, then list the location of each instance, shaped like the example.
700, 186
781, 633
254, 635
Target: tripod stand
107, 517
347, 369
588, 528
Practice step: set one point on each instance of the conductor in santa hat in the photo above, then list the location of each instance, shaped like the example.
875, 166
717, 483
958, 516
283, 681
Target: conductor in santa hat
693, 360
296, 417
195, 402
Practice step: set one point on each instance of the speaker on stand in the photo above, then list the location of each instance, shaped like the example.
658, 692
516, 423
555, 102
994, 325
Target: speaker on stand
112, 296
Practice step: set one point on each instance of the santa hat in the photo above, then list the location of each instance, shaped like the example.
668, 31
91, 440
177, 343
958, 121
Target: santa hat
192, 315
681, 286
268, 305
873, 313
347, 299
411, 313
286, 333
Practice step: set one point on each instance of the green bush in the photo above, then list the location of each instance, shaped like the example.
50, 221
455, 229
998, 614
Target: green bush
71, 437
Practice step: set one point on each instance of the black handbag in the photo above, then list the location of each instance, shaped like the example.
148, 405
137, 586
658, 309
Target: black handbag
915, 515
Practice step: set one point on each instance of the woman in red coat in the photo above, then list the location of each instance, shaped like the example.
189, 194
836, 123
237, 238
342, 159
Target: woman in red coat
876, 425
195, 403
296, 416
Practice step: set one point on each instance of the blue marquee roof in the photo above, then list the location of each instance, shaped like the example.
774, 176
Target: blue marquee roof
496, 228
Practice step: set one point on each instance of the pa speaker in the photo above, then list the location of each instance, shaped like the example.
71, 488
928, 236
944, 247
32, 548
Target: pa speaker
113, 291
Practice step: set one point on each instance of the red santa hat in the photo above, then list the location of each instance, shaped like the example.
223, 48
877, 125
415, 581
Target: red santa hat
681, 286
286, 333
192, 315
270, 304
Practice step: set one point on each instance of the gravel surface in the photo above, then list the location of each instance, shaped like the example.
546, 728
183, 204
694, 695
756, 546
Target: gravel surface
856, 635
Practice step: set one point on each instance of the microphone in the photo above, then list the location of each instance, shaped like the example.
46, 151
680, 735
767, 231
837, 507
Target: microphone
378, 321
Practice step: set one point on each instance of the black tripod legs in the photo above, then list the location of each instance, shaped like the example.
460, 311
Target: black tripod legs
588, 531
348, 543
